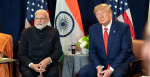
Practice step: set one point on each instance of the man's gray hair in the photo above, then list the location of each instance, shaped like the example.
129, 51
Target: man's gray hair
41, 10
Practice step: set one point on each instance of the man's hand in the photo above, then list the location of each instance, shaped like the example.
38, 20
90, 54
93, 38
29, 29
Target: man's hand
107, 73
99, 70
43, 64
41, 71
35, 67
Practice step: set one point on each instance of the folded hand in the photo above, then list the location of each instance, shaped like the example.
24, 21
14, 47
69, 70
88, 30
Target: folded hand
107, 73
43, 64
35, 67
99, 70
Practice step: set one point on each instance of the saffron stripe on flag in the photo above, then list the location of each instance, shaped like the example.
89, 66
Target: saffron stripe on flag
71, 4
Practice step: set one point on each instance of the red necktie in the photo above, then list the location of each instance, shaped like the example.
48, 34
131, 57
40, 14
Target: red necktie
105, 39
106, 42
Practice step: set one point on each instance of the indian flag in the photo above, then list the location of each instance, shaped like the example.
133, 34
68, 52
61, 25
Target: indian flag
69, 24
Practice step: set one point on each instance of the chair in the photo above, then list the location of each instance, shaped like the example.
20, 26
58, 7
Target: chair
137, 45
18, 74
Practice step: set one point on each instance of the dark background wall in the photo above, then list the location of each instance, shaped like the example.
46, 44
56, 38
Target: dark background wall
13, 13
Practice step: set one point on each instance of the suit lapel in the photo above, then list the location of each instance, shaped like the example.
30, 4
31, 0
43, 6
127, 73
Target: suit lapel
112, 33
101, 42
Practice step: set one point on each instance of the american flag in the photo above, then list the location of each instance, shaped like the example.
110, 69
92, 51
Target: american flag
122, 13
32, 7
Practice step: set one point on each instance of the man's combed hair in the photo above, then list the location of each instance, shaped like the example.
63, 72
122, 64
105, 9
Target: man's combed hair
101, 6
42, 11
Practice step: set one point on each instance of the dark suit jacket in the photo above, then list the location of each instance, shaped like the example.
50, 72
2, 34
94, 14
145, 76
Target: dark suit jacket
36, 45
119, 45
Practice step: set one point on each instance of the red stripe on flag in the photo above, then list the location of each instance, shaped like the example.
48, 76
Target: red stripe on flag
32, 23
127, 21
48, 13
116, 18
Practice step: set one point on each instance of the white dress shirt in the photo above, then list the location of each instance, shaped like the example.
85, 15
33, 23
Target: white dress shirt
108, 27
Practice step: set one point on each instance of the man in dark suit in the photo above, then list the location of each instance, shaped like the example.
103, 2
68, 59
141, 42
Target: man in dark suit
110, 46
39, 48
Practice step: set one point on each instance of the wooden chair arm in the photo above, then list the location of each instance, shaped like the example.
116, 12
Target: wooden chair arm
59, 67
17, 68
131, 66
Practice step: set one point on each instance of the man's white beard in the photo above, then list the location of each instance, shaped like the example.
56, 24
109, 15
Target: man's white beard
40, 26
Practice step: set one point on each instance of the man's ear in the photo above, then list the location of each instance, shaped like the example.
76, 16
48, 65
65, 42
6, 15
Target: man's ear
47, 20
110, 14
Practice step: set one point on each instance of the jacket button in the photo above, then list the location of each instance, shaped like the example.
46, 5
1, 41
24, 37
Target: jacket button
41, 45
40, 33
41, 39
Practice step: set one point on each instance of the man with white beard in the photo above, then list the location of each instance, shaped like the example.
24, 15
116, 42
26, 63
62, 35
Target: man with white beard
39, 48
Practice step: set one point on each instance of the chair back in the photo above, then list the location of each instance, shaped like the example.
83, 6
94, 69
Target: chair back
137, 50
137, 45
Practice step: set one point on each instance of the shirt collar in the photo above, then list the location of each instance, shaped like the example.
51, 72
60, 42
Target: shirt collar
108, 26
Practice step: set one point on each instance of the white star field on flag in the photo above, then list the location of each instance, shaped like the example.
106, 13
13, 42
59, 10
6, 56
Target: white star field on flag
33, 6
121, 12
117, 7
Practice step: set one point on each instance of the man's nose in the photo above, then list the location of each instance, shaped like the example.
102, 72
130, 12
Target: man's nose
101, 15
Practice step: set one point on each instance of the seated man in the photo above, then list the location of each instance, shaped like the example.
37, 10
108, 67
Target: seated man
110, 46
6, 48
39, 48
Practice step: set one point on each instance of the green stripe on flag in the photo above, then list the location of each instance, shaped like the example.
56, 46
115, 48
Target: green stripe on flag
61, 60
